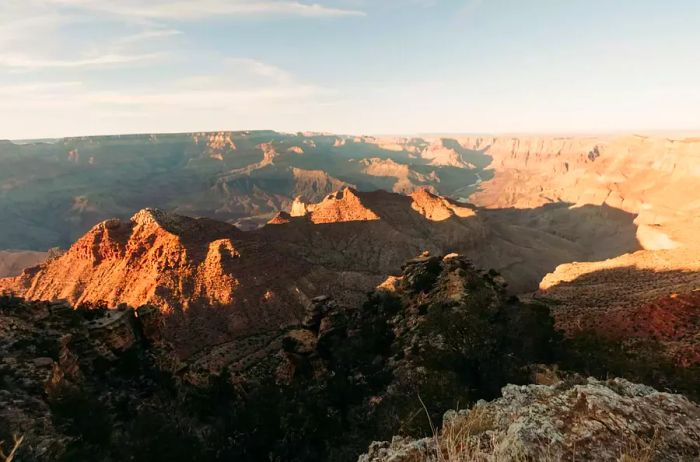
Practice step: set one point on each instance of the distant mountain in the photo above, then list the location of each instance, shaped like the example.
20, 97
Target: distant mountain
13, 262
51, 193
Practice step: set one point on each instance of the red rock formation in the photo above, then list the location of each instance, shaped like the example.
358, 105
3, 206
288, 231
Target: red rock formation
219, 282
344, 205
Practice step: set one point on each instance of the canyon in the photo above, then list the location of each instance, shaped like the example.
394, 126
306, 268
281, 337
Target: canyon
255, 252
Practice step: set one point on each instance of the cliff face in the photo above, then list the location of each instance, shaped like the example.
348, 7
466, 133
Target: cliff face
650, 177
179, 264
649, 295
156, 257
54, 358
104, 384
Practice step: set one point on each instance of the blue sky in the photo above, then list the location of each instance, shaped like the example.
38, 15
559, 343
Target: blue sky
81, 67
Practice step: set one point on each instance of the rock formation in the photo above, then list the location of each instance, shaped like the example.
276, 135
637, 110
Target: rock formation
48, 350
587, 420
261, 279
647, 176
108, 384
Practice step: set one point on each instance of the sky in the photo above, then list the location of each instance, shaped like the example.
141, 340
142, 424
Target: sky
89, 67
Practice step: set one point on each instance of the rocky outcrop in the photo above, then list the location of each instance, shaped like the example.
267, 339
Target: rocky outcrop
442, 332
407, 179
592, 420
216, 145
437, 208
91, 380
344, 205
147, 259
315, 184
49, 350
439, 153
439, 335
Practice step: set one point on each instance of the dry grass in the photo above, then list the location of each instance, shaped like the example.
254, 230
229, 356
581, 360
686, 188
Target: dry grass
640, 450
463, 440
11, 455
466, 439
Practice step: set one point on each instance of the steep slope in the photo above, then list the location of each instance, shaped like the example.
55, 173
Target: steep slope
647, 295
188, 267
104, 384
644, 296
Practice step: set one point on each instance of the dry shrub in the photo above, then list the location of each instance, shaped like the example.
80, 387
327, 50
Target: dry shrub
15, 446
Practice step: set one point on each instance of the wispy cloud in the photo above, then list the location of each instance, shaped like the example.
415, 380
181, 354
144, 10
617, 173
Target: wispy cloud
148, 34
29, 63
253, 84
38, 88
258, 69
136, 31
190, 10
226, 99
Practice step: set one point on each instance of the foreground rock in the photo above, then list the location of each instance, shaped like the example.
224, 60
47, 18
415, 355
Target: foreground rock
104, 384
59, 369
592, 420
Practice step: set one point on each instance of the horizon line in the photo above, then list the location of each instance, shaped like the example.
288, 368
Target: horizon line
419, 134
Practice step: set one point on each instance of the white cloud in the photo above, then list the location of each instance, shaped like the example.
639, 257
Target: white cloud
258, 69
148, 34
190, 10
36, 88
24, 62
256, 91
36, 34
52, 109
